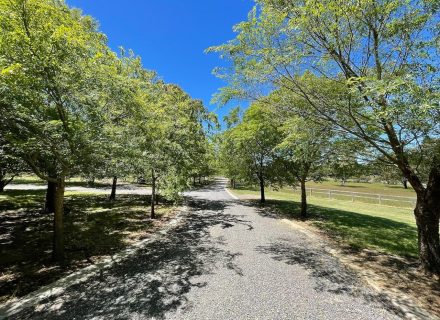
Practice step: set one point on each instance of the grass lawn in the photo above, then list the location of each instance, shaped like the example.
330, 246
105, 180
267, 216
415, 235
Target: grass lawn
376, 188
94, 228
72, 182
359, 225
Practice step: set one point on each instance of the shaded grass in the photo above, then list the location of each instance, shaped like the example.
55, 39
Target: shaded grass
358, 225
72, 182
94, 227
21, 199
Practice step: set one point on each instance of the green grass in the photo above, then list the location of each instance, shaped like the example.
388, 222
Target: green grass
94, 227
376, 188
368, 193
359, 225
72, 182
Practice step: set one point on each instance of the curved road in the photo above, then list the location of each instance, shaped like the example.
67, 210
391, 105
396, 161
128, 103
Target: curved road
225, 260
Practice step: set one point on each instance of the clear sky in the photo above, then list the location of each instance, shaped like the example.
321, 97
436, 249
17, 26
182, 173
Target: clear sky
171, 36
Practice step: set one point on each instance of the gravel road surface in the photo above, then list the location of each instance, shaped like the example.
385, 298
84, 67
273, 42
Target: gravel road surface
226, 260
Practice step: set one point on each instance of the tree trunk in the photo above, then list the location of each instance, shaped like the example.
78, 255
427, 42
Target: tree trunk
114, 185
91, 182
153, 194
427, 213
200, 180
49, 206
194, 181
4, 182
405, 183
157, 193
303, 212
262, 196
58, 227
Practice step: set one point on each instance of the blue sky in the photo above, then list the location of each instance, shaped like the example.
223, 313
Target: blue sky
171, 36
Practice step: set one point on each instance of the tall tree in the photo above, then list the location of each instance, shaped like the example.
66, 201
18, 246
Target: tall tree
305, 149
170, 139
249, 148
52, 62
383, 57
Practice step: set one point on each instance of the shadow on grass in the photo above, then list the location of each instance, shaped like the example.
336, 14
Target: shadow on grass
359, 231
156, 280
21, 199
94, 227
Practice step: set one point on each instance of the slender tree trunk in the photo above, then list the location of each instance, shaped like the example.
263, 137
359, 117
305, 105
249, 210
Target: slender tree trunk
194, 181
303, 212
153, 194
58, 227
262, 196
200, 180
2, 186
49, 206
157, 193
405, 183
91, 182
114, 185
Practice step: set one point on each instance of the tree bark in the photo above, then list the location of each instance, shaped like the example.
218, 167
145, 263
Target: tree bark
114, 185
58, 227
4, 182
153, 194
303, 212
262, 195
49, 206
427, 213
405, 183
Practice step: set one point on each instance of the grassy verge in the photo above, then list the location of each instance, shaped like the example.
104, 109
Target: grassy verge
94, 228
358, 225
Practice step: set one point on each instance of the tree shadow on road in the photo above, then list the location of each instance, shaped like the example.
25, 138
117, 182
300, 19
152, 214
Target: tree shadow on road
333, 277
328, 273
154, 281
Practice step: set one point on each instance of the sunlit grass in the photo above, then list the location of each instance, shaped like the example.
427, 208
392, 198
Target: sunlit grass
359, 225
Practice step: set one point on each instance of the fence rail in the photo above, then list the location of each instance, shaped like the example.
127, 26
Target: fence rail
395, 201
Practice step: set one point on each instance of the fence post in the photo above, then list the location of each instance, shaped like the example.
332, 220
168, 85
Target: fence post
310, 191
330, 194
352, 197
380, 199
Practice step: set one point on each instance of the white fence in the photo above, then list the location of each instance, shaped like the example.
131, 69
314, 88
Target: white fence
390, 200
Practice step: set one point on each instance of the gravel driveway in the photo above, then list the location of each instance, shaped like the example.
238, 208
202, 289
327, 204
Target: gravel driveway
224, 261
